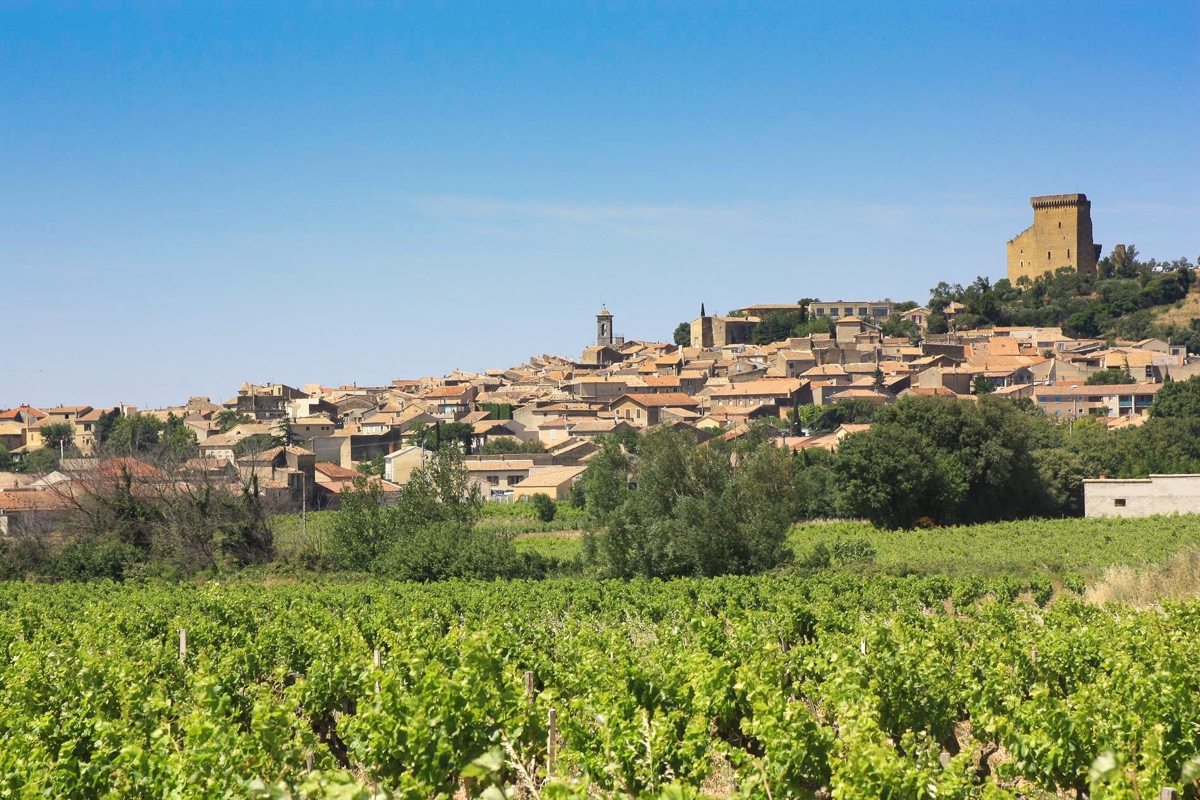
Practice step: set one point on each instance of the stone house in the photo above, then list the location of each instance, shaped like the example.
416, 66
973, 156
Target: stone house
644, 410
1142, 497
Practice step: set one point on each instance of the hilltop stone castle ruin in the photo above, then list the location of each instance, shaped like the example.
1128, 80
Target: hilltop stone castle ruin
1060, 236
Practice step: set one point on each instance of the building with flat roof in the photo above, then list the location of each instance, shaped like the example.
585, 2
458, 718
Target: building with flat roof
877, 310
1142, 497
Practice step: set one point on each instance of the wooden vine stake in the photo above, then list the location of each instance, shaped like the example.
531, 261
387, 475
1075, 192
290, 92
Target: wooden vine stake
378, 664
182, 643
551, 743
529, 686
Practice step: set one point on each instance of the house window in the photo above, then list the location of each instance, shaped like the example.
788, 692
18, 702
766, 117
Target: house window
1119, 502
862, 312
513, 480
494, 480
820, 312
849, 310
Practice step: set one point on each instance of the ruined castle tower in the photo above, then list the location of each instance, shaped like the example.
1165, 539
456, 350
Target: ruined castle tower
1060, 236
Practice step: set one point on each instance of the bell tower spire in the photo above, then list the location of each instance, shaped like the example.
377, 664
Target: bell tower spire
604, 328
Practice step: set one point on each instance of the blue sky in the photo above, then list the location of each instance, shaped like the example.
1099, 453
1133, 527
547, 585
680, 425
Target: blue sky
195, 197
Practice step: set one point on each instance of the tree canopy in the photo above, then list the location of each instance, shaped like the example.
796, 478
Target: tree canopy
1112, 376
683, 334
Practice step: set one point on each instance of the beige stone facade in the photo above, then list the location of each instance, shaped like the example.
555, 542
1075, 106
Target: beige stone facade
1060, 236
723, 331
1143, 497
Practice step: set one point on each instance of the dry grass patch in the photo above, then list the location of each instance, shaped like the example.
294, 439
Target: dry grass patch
1177, 578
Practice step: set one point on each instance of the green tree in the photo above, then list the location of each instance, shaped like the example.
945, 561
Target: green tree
228, 419
502, 445
605, 482
7, 463
243, 537
178, 439
683, 334
363, 529
1060, 476
813, 325
544, 507
40, 461
982, 384
976, 459
442, 435
780, 325
694, 510
373, 467
1110, 377
896, 326
256, 443
429, 534
1178, 400
137, 433
105, 423
893, 476
58, 436
826, 419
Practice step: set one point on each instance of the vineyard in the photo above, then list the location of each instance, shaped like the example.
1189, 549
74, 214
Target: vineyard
1024, 548
773, 687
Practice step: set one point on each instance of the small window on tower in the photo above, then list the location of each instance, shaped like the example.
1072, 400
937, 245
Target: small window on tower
1060, 225
1068, 252
1047, 255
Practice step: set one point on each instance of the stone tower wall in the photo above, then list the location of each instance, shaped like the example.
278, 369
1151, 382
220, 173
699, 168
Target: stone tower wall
1061, 236
604, 329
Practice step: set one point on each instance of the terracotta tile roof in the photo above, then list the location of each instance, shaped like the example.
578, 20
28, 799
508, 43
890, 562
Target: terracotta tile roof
766, 386
452, 392
550, 477
113, 467
660, 400
31, 500
14, 413
335, 471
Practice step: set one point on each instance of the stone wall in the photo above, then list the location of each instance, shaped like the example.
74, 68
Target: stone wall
1158, 494
1061, 236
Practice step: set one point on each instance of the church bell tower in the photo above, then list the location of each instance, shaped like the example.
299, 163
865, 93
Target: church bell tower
604, 328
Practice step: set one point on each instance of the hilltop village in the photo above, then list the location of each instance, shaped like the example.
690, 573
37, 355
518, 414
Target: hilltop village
531, 429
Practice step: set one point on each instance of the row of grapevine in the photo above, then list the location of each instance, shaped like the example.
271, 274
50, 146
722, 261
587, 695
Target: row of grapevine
768, 687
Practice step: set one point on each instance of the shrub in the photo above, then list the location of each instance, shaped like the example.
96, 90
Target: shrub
816, 558
93, 562
544, 506
449, 550
1041, 588
1074, 582
853, 551
967, 590
1005, 588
